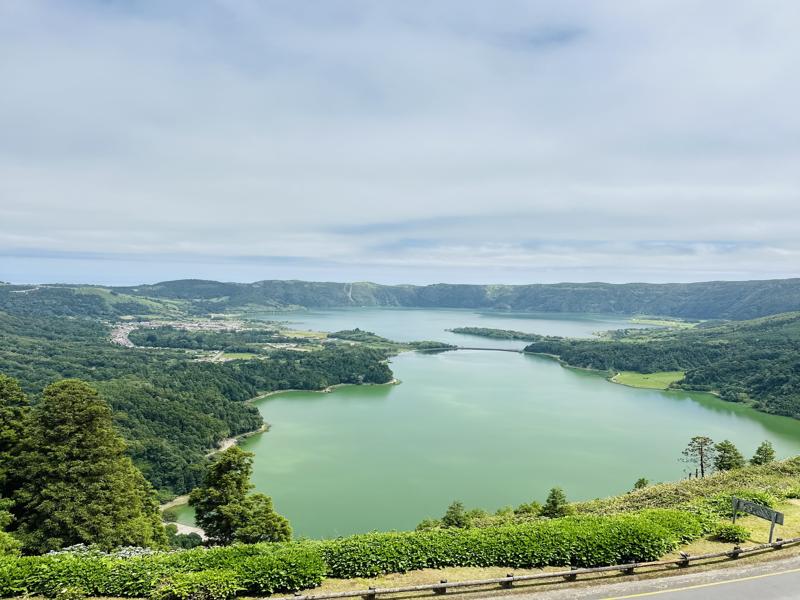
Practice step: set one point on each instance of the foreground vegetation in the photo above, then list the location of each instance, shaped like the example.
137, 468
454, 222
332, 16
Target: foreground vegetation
645, 524
266, 568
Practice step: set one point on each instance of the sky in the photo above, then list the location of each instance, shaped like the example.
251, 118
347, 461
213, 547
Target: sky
399, 142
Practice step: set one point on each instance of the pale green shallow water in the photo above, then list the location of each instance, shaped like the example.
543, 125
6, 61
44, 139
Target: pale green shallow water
488, 428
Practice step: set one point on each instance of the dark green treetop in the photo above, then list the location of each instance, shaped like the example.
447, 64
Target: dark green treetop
13, 415
76, 483
727, 456
226, 509
556, 504
764, 454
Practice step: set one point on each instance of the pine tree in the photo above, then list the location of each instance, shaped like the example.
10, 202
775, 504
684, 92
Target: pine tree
700, 451
455, 516
9, 546
228, 512
13, 417
556, 504
76, 483
765, 454
728, 456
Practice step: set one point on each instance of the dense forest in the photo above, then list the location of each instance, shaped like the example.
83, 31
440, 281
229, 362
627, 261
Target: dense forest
496, 334
170, 408
707, 300
755, 361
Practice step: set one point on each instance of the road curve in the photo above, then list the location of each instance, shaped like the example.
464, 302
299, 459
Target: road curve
771, 580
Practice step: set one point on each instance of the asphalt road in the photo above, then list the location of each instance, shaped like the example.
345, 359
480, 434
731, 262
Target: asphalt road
773, 580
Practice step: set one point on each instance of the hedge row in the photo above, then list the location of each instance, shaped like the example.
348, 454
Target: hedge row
258, 569
262, 569
584, 541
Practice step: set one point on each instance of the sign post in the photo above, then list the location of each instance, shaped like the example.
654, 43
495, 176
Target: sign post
758, 510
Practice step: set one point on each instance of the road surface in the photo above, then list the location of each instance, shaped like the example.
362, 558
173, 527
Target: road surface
772, 580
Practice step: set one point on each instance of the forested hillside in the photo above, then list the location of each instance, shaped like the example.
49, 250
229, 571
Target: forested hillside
707, 300
754, 361
717, 299
171, 408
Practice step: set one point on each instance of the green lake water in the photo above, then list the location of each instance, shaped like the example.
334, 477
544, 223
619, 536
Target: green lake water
488, 428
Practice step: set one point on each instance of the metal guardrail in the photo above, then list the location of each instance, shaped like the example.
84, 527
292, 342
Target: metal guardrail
571, 575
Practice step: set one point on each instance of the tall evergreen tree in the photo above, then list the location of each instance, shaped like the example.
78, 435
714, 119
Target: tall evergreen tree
727, 456
8, 544
455, 516
556, 504
76, 483
765, 454
226, 510
13, 415
700, 451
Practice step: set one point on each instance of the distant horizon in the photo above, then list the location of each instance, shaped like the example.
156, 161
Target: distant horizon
399, 283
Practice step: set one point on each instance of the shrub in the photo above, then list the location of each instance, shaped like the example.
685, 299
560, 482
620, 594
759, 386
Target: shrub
530, 508
730, 532
721, 505
793, 492
455, 516
202, 585
263, 569
258, 567
291, 569
169, 515
579, 541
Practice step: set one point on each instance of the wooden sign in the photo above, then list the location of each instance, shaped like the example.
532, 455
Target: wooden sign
758, 510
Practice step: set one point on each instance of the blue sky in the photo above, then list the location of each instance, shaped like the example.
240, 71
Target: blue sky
413, 141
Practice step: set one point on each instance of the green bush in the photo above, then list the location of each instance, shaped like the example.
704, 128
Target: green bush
291, 569
263, 569
730, 532
257, 568
721, 504
201, 585
793, 492
580, 541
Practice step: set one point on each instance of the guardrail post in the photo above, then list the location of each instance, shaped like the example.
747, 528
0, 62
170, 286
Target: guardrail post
441, 590
737, 550
572, 576
684, 561
778, 544
371, 595
627, 571
507, 584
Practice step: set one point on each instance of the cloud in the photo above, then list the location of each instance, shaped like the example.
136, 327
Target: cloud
400, 141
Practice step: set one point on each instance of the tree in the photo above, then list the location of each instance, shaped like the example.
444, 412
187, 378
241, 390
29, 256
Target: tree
227, 511
8, 544
765, 454
13, 417
727, 456
700, 451
530, 508
182, 540
556, 504
455, 516
76, 483
641, 483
